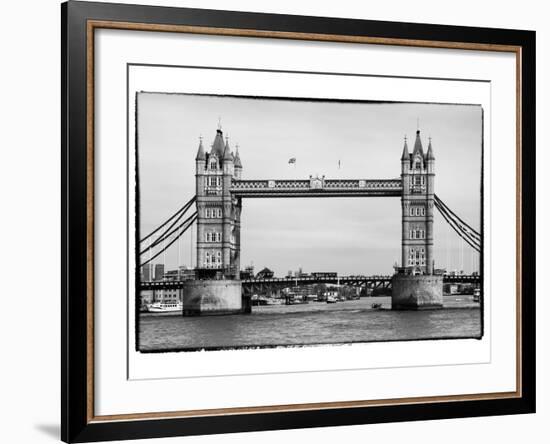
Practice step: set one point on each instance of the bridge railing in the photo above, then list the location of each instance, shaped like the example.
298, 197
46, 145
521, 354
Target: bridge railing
358, 279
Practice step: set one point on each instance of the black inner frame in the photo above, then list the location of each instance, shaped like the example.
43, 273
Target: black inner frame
74, 422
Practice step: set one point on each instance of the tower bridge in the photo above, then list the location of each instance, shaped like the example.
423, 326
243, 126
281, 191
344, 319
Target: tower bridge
221, 190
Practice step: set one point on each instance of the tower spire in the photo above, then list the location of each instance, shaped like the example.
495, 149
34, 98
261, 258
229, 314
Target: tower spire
218, 145
430, 153
201, 155
405, 155
418, 145
227, 151
237, 157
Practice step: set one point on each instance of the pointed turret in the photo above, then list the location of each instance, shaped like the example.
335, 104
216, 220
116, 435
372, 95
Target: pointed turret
218, 146
227, 151
237, 163
405, 155
418, 145
237, 158
201, 155
430, 154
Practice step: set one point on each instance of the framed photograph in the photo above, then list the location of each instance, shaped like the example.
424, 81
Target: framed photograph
275, 221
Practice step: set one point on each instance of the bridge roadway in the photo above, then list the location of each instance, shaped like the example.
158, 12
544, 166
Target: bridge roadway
316, 187
257, 284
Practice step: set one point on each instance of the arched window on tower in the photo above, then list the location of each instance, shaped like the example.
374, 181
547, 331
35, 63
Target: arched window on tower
213, 164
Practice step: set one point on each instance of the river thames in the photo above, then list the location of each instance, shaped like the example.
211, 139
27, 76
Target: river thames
310, 324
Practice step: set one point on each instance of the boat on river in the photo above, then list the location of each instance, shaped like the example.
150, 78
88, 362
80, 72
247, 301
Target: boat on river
164, 307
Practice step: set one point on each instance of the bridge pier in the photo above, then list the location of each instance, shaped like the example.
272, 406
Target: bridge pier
208, 297
416, 292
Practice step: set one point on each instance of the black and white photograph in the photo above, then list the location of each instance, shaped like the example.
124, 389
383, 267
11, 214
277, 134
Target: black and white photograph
268, 222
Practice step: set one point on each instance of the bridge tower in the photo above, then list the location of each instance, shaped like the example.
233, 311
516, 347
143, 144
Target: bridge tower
218, 221
415, 286
417, 202
217, 289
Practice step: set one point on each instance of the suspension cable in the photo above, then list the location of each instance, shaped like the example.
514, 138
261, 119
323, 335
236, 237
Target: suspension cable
182, 209
474, 232
473, 243
468, 241
456, 225
167, 235
171, 242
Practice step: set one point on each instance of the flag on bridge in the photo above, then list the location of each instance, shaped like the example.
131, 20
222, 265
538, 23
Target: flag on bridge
292, 160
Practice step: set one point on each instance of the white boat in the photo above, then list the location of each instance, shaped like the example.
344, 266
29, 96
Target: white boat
164, 307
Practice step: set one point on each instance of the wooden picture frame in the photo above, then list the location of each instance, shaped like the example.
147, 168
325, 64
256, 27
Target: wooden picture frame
79, 22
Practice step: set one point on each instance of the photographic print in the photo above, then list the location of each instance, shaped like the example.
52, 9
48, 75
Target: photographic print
276, 222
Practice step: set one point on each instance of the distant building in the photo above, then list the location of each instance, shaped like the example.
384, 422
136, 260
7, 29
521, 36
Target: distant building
147, 273
300, 273
171, 275
146, 297
168, 295
247, 273
266, 273
302, 292
159, 272
186, 274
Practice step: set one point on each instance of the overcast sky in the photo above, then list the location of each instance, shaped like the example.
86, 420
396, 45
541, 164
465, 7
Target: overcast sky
347, 235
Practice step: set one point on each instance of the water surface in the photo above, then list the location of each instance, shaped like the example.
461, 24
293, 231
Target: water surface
310, 324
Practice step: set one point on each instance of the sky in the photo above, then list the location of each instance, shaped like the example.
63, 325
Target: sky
346, 235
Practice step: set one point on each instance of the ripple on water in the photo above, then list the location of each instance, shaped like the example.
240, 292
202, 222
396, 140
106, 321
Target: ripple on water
311, 324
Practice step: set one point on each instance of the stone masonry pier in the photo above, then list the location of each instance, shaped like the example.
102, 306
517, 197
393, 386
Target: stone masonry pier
420, 292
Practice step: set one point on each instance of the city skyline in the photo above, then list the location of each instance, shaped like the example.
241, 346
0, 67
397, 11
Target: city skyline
335, 139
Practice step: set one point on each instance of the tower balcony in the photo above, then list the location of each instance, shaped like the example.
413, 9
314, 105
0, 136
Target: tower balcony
418, 189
